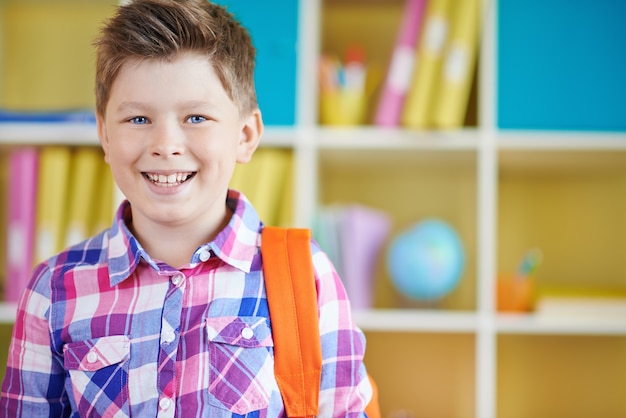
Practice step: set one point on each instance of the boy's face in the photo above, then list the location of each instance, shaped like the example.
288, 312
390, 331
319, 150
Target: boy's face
172, 137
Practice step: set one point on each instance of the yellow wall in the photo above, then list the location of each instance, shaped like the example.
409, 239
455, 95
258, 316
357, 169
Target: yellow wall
47, 56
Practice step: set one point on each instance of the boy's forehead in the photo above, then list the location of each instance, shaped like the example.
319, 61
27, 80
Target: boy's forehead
187, 80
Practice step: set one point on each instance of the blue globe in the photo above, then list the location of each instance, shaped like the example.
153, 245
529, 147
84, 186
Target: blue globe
426, 261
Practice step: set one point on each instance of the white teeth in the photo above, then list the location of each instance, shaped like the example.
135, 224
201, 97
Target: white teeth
168, 180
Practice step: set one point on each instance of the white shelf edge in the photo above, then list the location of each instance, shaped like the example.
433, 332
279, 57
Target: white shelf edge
404, 320
364, 137
48, 133
8, 312
536, 324
561, 141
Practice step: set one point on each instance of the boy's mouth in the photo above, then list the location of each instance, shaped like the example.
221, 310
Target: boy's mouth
169, 180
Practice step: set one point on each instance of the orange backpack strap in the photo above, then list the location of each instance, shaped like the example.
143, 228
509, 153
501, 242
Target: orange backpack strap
292, 300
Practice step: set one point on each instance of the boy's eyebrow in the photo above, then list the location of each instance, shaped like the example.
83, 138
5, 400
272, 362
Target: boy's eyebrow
132, 105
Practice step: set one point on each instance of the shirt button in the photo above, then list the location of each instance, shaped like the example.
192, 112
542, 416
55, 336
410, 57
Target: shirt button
177, 279
205, 255
92, 357
247, 333
165, 403
168, 337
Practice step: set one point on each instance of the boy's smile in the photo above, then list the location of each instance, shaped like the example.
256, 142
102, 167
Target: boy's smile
167, 179
172, 137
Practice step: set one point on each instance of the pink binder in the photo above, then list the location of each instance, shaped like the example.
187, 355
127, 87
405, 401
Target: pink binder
21, 221
363, 233
398, 79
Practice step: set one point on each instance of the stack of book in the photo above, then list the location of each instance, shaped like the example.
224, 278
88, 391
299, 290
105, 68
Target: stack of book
56, 196
430, 75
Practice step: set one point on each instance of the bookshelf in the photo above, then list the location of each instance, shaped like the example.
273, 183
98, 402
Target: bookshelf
504, 189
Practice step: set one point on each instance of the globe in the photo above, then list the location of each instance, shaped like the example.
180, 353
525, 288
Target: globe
426, 261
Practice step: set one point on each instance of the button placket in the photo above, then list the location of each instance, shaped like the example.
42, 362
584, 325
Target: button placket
165, 403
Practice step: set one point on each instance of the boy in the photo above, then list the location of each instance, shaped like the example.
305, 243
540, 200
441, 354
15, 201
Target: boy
164, 314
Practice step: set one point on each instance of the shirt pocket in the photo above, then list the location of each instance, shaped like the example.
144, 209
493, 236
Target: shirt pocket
98, 375
241, 363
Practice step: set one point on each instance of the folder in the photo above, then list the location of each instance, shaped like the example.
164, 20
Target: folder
22, 187
263, 181
52, 194
430, 49
285, 209
83, 193
270, 183
398, 78
459, 66
363, 232
105, 199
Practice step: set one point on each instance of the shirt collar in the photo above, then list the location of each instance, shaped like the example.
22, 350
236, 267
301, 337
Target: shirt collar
236, 244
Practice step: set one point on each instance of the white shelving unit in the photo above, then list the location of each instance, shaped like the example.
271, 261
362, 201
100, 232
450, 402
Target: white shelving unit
484, 145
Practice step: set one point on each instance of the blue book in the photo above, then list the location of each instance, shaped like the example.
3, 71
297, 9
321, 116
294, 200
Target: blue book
72, 116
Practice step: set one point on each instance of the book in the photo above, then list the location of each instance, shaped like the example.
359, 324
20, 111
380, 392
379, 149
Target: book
70, 116
459, 64
581, 306
580, 301
419, 99
363, 231
52, 193
106, 201
270, 183
23, 167
263, 181
285, 210
398, 78
326, 229
83, 194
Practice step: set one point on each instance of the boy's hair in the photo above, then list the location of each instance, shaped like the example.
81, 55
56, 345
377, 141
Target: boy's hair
162, 30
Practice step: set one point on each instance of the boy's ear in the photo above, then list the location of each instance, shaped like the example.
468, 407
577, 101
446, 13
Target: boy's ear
250, 136
102, 136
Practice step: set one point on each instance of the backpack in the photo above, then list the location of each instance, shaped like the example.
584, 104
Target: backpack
292, 297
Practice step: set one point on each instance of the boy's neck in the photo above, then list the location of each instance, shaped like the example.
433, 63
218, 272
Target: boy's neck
175, 245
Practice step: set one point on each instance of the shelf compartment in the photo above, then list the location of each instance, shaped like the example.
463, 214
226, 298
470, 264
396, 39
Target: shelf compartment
571, 204
560, 376
429, 375
409, 186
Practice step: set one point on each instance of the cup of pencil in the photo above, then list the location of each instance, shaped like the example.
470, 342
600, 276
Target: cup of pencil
342, 89
516, 292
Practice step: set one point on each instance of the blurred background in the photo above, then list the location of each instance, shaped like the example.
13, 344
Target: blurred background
462, 162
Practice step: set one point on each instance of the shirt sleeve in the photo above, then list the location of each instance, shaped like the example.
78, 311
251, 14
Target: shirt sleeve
345, 387
33, 385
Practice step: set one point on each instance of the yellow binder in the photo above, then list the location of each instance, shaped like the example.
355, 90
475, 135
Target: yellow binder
105, 207
419, 100
52, 193
83, 193
459, 65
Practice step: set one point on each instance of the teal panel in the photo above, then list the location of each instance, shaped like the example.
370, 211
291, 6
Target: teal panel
274, 30
561, 64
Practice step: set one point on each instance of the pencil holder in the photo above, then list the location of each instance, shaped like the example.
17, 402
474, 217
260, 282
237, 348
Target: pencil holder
515, 294
342, 107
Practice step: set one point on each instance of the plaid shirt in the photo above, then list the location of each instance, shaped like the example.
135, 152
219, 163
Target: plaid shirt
104, 330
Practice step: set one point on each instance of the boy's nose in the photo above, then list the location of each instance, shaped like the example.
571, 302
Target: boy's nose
168, 140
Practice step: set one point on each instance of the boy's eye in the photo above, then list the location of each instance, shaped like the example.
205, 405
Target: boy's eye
196, 119
139, 120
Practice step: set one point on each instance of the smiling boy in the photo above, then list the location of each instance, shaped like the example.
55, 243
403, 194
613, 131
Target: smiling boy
165, 313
